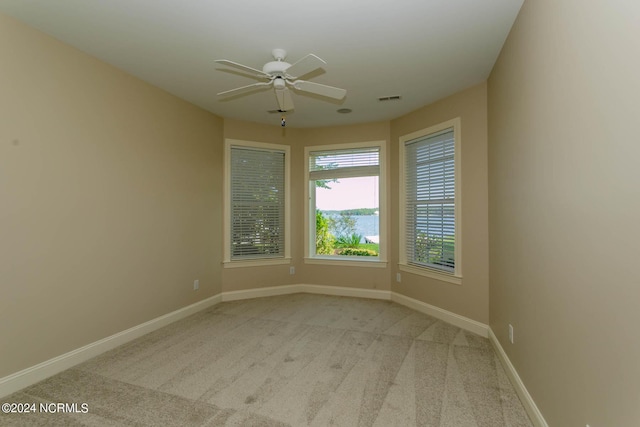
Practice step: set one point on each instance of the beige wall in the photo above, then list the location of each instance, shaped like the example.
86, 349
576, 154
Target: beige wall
471, 298
235, 279
565, 205
243, 278
110, 196
354, 277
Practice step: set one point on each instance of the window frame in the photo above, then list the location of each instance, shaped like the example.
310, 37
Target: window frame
454, 277
254, 262
310, 256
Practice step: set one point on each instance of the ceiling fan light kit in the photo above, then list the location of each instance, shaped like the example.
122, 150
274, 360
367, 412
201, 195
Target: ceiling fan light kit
283, 75
279, 83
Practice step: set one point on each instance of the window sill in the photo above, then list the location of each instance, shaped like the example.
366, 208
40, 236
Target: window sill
434, 274
347, 262
256, 262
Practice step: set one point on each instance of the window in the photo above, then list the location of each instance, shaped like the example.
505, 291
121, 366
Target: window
257, 203
345, 214
430, 201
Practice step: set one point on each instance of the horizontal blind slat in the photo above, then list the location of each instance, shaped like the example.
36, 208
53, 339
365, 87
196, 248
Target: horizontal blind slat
345, 158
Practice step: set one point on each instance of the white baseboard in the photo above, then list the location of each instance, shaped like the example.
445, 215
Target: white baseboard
26, 377
310, 289
260, 292
41, 371
447, 316
527, 401
439, 313
346, 292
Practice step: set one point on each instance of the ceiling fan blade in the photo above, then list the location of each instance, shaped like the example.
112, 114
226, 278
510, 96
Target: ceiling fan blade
243, 89
318, 89
285, 102
228, 63
305, 66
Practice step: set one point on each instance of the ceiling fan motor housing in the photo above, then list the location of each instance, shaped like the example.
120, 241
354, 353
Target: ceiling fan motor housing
275, 68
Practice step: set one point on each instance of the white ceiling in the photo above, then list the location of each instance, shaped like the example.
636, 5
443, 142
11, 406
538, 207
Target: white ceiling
422, 50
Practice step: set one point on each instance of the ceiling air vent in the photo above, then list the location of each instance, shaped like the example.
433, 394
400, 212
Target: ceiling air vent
390, 98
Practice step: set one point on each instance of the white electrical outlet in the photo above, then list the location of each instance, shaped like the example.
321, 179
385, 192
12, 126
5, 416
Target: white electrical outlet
398, 278
196, 285
511, 333
292, 270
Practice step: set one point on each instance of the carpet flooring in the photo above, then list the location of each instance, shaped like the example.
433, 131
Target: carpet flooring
293, 360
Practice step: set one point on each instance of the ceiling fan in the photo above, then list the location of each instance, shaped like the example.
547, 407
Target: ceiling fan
282, 75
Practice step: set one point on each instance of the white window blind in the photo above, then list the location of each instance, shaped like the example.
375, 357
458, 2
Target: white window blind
345, 163
257, 203
430, 201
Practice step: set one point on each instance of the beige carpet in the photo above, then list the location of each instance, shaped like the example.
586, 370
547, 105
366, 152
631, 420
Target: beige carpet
292, 360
